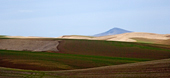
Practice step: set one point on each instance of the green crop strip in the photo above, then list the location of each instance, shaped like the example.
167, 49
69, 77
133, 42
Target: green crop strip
65, 61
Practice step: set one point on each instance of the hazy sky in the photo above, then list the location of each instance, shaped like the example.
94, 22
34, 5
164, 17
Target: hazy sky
53, 18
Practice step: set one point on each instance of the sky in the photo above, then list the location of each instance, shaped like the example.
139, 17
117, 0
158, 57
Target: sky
54, 18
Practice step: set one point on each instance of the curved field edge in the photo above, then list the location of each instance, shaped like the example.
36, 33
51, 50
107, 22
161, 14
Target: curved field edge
149, 69
57, 61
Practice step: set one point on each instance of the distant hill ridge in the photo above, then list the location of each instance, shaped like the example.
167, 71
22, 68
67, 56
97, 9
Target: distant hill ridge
113, 31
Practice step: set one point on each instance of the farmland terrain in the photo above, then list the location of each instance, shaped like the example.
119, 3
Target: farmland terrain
74, 58
88, 47
128, 37
58, 61
150, 69
114, 49
29, 44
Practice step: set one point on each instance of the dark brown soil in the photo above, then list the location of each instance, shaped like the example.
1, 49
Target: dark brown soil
150, 69
25, 66
103, 48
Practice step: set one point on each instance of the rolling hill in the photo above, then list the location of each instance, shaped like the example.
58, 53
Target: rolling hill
149, 69
128, 37
94, 57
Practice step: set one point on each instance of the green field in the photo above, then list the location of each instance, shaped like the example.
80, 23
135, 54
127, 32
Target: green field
114, 49
149, 69
57, 61
82, 54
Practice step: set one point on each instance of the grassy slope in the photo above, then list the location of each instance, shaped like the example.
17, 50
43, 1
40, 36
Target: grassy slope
114, 49
150, 69
81, 54
57, 61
